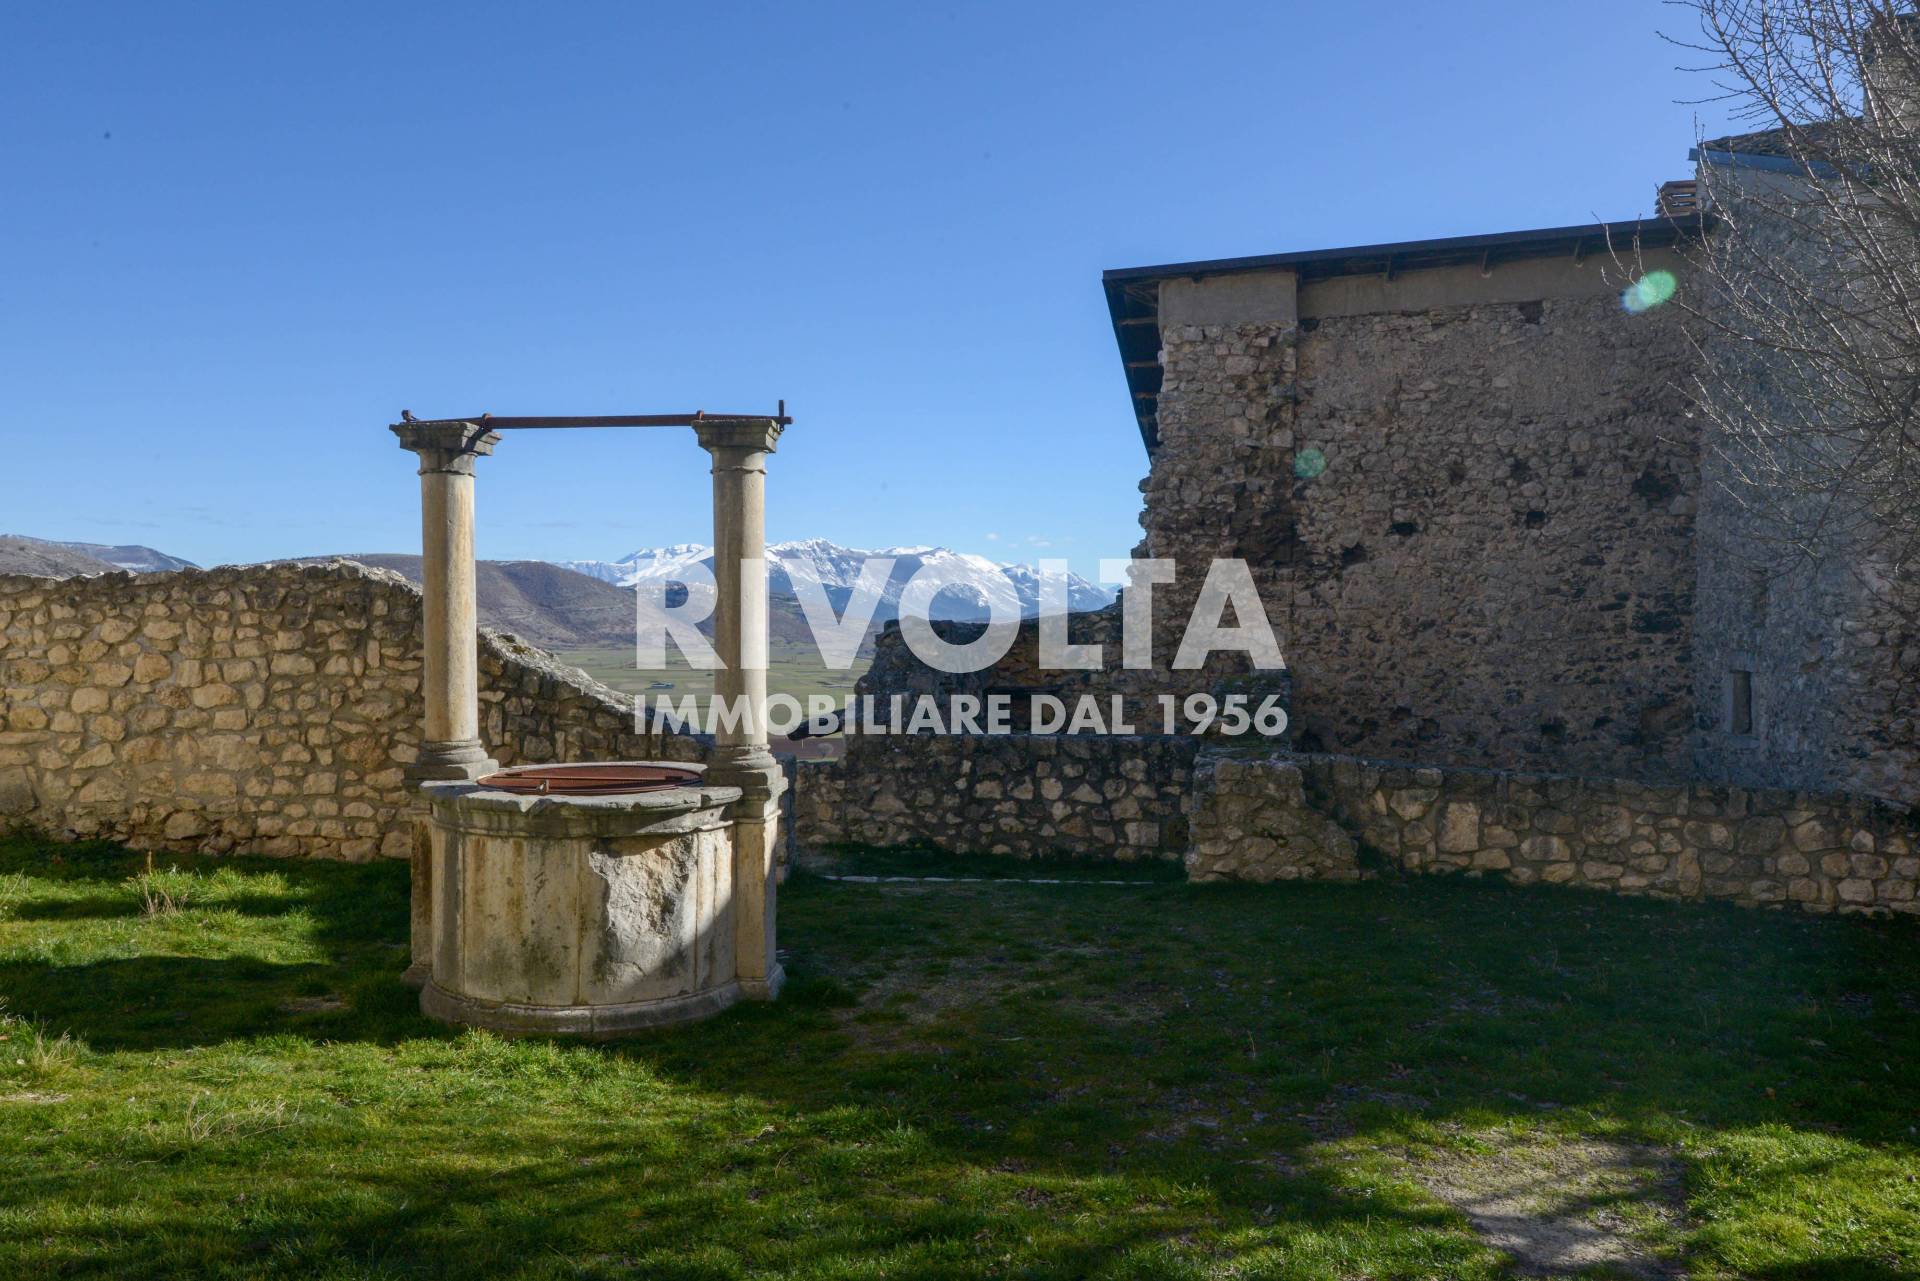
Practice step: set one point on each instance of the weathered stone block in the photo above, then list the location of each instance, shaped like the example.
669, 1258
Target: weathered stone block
1854, 890
1814, 835
1545, 849
1459, 830
17, 796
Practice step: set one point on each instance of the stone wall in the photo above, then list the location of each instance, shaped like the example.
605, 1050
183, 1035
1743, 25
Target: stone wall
1490, 530
1222, 483
1826, 642
1025, 795
1832, 673
1817, 851
1497, 562
1471, 521
271, 709
1251, 822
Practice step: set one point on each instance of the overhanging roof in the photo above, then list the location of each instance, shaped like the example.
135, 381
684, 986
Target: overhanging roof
1133, 293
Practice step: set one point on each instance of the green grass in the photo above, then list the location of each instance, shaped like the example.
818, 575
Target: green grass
791, 669
979, 1080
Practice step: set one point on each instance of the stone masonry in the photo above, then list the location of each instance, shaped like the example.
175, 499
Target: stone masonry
270, 709
1251, 822
1819, 852
1471, 523
1237, 817
1827, 646
1119, 797
1491, 528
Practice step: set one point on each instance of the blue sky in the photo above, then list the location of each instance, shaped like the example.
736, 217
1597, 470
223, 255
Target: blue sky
236, 240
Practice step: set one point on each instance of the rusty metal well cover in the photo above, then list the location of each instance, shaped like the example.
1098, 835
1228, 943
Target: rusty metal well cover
590, 780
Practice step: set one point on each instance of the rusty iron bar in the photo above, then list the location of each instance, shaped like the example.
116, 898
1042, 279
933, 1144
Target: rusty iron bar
590, 780
607, 420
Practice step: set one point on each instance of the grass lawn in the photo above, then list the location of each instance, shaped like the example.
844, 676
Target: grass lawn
212, 1072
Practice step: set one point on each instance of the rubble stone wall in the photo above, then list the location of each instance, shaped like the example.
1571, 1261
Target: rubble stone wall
1820, 852
1314, 816
1471, 519
1251, 821
1826, 645
269, 709
1119, 797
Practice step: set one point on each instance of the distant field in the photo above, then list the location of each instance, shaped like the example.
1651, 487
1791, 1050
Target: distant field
791, 669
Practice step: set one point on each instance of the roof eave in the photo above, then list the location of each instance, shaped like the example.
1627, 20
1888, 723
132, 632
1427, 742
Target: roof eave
1133, 292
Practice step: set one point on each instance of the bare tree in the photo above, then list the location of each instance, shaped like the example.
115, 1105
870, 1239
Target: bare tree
1808, 324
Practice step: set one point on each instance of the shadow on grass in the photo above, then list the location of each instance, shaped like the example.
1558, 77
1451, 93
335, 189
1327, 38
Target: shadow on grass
1052, 1039
755, 1216
237, 978
173, 1002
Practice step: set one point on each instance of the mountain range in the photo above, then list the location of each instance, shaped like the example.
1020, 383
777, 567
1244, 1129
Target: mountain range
558, 608
22, 555
583, 604
837, 570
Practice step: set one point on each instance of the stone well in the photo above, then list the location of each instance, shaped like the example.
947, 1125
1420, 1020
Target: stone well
592, 914
585, 915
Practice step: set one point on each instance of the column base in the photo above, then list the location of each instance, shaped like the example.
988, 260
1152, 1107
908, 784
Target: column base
417, 975
460, 761
766, 989
588, 1022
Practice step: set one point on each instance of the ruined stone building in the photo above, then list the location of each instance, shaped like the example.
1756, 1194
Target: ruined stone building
1485, 525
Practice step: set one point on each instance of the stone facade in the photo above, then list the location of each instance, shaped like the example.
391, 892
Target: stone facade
1471, 517
1492, 540
1824, 651
271, 709
1491, 531
1115, 797
1226, 487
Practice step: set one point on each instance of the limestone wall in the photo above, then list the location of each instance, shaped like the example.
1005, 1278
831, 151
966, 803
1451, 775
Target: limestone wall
1817, 851
1324, 817
1251, 821
1471, 520
1826, 641
1122, 797
270, 708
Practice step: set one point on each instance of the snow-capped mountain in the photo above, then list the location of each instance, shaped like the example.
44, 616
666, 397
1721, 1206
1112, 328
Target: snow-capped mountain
132, 557
837, 569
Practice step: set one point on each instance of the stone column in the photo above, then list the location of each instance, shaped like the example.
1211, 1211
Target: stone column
450, 745
740, 757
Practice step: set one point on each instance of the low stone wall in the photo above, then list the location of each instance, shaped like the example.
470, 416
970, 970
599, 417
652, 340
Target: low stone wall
268, 708
1251, 822
1025, 795
1818, 851
1323, 817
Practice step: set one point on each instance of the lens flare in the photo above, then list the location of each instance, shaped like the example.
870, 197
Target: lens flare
1649, 291
1309, 463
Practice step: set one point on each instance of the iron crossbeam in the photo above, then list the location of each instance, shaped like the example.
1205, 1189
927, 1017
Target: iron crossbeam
607, 420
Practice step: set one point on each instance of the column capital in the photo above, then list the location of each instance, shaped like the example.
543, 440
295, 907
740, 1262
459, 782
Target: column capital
750, 435
446, 447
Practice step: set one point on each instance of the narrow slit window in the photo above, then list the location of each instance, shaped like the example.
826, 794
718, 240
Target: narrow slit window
1740, 702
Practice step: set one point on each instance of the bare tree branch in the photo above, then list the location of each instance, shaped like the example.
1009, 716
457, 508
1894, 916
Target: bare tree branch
1807, 324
